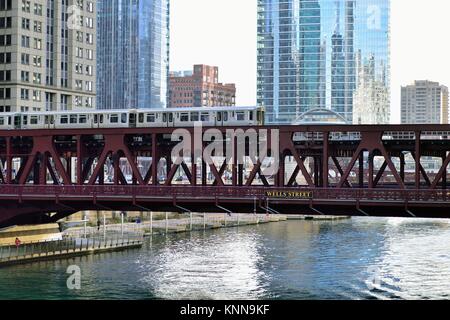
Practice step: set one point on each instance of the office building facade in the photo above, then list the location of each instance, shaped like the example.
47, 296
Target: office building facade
308, 51
47, 55
200, 88
424, 102
133, 54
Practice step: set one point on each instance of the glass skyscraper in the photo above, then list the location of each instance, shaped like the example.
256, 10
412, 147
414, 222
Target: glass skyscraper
313, 54
132, 54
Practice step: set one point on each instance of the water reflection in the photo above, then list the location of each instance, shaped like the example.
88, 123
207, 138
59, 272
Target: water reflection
220, 268
292, 260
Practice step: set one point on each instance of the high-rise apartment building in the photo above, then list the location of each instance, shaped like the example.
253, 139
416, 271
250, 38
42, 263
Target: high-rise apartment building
308, 50
200, 88
424, 102
47, 55
133, 54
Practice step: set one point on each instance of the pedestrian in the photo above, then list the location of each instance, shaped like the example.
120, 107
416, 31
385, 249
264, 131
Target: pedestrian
18, 242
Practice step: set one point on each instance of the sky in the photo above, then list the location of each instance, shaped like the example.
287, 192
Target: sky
223, 33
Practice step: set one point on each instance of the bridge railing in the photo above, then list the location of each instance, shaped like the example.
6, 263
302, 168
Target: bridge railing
230, 192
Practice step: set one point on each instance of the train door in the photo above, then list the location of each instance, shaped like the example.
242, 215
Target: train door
219, 119
17, 122
132, 120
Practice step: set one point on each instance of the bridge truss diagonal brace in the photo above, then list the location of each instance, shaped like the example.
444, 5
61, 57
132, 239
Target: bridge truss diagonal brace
372, 141
44, 145
441, 173
114, 144
301, 165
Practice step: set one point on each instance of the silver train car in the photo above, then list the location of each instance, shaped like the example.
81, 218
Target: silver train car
143, 118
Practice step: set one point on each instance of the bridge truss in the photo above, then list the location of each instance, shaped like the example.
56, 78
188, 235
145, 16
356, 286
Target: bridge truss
363, 170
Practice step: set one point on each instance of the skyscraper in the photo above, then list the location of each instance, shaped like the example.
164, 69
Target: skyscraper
425, 102
47, 55
133, 54
307, 54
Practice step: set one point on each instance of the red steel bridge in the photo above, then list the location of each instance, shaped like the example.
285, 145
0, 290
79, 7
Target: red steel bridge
338, 169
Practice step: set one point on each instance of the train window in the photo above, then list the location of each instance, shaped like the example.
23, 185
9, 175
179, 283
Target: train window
114, 118
33, 120
25, 120
194, 116
219, 116
204, 116
96, 118
151, 117
184, 117
240, 116
101, 118
170, 117
164, 117
225, 116
251, 115
123, 118
73, 118
83, 118
2, 121
64, 120
141, 118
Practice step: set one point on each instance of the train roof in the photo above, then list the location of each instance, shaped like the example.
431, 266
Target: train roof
105, 111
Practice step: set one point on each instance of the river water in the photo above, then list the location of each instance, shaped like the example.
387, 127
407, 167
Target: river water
361, 258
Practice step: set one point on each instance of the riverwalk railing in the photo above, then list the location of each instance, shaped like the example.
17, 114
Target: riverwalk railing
191, 222
68, 246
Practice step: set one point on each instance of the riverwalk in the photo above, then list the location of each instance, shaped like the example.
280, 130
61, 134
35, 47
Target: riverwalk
114, 237
191, 222
66, 248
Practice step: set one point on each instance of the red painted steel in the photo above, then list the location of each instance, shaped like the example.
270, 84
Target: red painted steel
62, 171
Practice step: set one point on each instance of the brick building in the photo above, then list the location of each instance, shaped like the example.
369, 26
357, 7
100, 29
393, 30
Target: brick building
200, 88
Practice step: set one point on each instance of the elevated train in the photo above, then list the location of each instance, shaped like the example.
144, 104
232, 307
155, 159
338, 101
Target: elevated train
142, 118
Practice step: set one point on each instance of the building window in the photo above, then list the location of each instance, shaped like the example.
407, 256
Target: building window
25, 42
38, 9
36, 95
25, 23
5, 5
37, 79
5, 23
5, 57
25, 76
38, 26
24, 94
89, 102
25, 59
26, 5
5, 75
90, 6
37, 61
5, 40
37, 43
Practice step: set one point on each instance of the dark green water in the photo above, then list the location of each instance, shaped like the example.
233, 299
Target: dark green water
409, 259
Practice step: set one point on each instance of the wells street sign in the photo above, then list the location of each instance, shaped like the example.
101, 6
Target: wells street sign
298, 195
